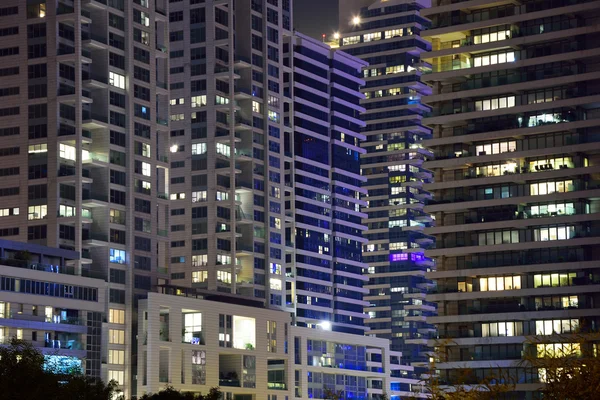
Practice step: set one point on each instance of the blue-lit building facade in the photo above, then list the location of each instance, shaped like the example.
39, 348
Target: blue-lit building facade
388, 39
327, 186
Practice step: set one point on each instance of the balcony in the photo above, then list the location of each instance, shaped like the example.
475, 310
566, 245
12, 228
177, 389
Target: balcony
55, 269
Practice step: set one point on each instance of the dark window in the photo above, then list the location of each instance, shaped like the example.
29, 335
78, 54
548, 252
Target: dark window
117, 276
116, 41
141, 73
142, 282
9, 51
116, 22
37, 71
141, 55
117, 99
39, 192
141, 92
117, 236
37, 111
37, 232
117, 138
36, 50
117, 197
116, 296
116, 60
141, 130
36, 31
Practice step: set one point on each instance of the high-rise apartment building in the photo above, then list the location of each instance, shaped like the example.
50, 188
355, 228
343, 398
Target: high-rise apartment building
328, 267
516, 136
264, 162
386, 35
83, 143
230, 230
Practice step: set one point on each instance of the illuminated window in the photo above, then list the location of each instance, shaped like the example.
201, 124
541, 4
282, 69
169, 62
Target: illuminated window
199, 196
256, 107
177, 117
37, 212
198, 148
556, 326
199, 260
67, 211
553, 209
220, 100
116, 357
350, 40
542, 234
393, 33
116, 336
495, 58
117, 376
495, 329
558, 349
116, 80
116, 316
117, 256
177, 196
223, 259
192, 328
273, 116
496, 148
369, 37
496, 169
224, 276
495, 103
554, 280
37, 148
223, 149
222, 195
7, 212
275, 284
500, 34
144, 18
543, 188
199, 101
551, 163
499, 283
396, 69
273, 101
178, 101
199, 276
36, 10
146, 169
244, 332
67, 152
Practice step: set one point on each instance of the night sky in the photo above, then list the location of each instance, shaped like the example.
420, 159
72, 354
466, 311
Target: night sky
316, 17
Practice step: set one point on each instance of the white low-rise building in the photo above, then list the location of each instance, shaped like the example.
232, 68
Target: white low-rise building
48, 303
194, 340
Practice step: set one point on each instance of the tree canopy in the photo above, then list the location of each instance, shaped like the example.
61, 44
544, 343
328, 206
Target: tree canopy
24, 374
169, 393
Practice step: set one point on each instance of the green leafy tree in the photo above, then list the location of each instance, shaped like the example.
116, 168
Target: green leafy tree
24, 374
331, 395
464, 385
568, 365
170, 393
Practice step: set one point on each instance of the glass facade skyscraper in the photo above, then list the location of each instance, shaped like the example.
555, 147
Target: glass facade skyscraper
327, 186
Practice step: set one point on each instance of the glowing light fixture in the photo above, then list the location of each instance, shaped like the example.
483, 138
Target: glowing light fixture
325, 325
356, 20
174, 148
